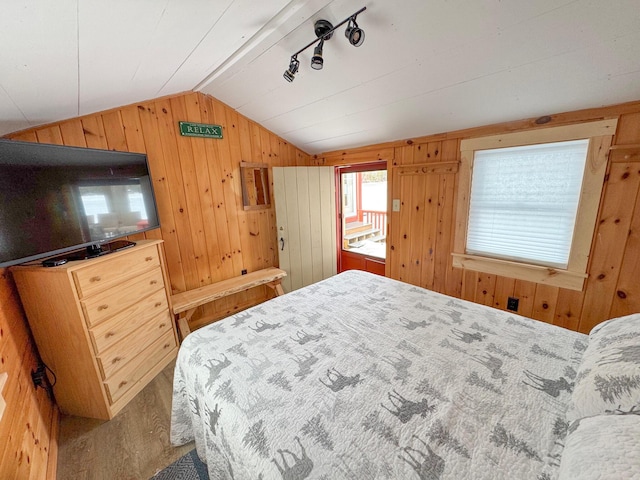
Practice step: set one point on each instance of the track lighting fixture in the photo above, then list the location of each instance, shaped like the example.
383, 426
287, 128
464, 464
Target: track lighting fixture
354, 33
316, 60
290, 74
324, 31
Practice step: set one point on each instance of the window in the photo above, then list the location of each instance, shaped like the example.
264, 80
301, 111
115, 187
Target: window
524, 202
528, 201
349, 194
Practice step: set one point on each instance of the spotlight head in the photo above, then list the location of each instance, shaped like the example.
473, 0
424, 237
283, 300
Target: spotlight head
316, 61
290, 74
354, 33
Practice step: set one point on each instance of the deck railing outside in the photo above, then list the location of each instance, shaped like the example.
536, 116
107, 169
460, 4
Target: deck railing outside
377, 219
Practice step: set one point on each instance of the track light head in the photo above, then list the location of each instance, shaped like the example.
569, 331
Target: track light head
316, 61
354, 33
290, 74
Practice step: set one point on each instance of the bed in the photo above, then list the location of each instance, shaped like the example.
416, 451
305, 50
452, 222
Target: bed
364, 377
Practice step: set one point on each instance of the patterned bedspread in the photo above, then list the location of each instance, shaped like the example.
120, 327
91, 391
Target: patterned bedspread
364, 377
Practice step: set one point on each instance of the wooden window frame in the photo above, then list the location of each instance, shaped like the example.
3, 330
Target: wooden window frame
600, 135
256, 194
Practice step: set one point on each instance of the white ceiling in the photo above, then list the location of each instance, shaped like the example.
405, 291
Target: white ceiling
426, 66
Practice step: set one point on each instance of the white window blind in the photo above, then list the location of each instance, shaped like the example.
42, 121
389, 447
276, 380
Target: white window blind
524, 202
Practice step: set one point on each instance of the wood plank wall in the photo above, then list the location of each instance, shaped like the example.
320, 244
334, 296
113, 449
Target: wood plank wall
28, 428
420, 236
208, 236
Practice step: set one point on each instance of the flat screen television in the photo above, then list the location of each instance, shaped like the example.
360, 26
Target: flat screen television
69, 202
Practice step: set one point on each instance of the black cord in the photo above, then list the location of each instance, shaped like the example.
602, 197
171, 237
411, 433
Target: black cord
41, 379
55, 379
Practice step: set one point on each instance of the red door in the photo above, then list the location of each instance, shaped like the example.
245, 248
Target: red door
362, 217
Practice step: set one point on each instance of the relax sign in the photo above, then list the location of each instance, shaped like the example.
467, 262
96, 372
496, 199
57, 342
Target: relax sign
188, 129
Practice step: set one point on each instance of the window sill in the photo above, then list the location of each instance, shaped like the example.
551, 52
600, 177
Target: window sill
521, 271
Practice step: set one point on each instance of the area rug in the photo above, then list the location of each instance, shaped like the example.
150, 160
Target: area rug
187, 467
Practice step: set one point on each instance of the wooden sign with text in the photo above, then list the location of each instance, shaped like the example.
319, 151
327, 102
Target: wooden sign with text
188, 129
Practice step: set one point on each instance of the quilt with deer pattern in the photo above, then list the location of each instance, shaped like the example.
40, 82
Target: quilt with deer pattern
364, 377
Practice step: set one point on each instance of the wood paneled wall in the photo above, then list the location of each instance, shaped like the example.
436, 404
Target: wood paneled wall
28, 428
421, 235
208, 236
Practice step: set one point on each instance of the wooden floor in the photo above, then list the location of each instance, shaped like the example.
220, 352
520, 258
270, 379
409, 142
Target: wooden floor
133, 445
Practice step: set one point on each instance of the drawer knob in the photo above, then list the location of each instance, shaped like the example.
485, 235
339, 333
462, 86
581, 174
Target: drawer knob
162, 325
158, 304
153, 282
122, 384
148, 259
115, 360
166, 345
95, 279
103, 307
109, 334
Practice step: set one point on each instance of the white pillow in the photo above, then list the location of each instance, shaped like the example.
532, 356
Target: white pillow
608, 379
602, 448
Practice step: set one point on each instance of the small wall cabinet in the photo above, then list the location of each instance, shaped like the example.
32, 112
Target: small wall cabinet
255, 185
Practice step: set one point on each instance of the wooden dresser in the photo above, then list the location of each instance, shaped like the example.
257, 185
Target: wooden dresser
102, 325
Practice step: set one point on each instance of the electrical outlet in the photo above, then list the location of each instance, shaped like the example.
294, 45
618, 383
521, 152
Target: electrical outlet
512, 304
38, 376
40, 379
395, 205
244, 272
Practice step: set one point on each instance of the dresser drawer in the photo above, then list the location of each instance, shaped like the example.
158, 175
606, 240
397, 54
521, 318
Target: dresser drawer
122, 324
121, 353
101, 275
108, 303
125, 378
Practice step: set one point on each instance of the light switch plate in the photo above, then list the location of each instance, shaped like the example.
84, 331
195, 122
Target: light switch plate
396, 205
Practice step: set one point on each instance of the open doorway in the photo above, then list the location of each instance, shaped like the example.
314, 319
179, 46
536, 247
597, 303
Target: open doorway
362, 218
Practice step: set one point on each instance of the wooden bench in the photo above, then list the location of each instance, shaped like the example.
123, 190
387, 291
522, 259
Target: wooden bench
184, 304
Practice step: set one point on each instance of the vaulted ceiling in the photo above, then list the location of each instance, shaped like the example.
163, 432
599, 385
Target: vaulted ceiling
426, 66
